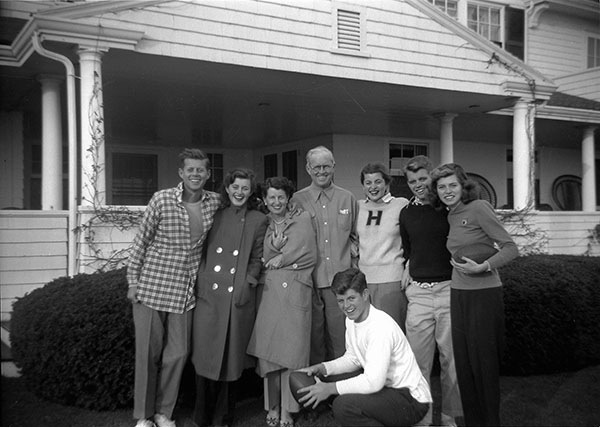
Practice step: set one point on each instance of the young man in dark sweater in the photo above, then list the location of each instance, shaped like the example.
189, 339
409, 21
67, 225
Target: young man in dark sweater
424, 231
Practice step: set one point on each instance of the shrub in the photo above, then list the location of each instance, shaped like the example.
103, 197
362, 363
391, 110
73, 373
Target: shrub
74, 341
552, 307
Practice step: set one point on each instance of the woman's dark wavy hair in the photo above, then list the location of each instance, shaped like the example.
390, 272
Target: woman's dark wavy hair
376, 167
243, 173
279, 183
470, 189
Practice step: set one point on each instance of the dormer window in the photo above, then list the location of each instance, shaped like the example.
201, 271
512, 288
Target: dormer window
448, 6
500, 24
485, 20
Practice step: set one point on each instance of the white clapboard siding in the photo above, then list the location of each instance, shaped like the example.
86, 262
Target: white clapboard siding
401, 46
33, 252
557, 46
585, 84
569, 232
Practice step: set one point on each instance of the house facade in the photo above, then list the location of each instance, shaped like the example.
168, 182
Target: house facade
99, 97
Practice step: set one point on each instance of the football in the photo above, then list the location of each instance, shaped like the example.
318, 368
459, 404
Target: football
299, 380
476, 252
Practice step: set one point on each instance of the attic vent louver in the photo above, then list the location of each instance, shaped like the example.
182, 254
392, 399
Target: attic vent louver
348, 30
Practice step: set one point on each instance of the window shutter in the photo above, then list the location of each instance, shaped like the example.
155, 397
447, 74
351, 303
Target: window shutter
348, 30
514, 30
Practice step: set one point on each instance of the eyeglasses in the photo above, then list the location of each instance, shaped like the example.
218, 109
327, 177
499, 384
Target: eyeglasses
318, 168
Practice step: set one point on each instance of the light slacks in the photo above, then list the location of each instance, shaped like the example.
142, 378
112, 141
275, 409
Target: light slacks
162, 342
428, 323
390, 298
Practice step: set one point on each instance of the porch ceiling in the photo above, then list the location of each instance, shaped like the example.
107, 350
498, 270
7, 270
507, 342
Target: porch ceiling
232, 106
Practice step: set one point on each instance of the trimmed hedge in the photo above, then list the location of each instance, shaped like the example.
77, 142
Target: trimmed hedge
552, 307
74, 341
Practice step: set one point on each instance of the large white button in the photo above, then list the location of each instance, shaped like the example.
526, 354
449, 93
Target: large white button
215, 286
235, 252
324, 206
230, 289
325, 223
326, 241
217, 268
219, 250
232, 271
284, 285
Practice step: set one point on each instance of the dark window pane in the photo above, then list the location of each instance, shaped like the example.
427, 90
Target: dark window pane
290, 165
515, 31
270, 163
216, 172
134, 178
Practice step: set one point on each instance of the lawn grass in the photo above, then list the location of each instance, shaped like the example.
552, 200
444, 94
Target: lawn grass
563, 399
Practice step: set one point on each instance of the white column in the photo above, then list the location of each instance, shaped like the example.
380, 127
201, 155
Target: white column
52, 188
446, 137
93, 164
521, 156
588, 170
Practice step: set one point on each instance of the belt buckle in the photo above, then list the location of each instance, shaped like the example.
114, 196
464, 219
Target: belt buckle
424, 284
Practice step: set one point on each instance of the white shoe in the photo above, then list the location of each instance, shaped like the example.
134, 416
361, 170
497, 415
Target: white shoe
144, 423
162, 421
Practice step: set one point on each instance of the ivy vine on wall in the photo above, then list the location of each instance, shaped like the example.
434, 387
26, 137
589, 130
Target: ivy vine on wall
101, 255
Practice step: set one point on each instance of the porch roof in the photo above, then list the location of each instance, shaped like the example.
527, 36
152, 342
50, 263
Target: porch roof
560, 99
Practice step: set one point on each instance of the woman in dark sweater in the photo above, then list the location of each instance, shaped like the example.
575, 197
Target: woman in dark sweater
477, 308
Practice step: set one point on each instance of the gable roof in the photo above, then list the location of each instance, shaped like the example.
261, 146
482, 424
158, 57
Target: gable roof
503, 75
544, 86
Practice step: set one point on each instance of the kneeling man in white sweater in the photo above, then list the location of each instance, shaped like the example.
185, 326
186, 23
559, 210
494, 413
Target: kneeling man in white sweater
389, 389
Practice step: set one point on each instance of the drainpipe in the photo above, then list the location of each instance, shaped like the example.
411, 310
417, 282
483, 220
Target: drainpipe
72, 132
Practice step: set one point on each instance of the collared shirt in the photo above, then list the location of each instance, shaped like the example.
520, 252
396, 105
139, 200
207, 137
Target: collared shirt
333, 211
164, 261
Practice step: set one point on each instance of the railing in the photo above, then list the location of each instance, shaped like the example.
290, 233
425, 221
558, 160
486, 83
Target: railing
33, 245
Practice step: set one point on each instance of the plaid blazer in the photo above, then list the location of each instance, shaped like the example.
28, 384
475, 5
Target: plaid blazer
164, 262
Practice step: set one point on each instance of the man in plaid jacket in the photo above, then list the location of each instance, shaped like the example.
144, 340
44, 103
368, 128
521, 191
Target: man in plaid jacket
161, 274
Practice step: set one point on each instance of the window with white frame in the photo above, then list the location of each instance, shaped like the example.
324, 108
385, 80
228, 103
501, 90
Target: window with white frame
134, 178
498, 23
216, 172
400, 153
485, 20
448, 6
593, 52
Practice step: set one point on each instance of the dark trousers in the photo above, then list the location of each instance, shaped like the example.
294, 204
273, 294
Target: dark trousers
478, 340
215, 402
386, 408
328, 327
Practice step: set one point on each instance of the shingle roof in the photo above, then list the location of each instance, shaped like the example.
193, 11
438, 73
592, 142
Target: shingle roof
560, 99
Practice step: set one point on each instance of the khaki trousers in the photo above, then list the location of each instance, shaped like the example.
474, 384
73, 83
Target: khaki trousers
428, 324
162, 342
